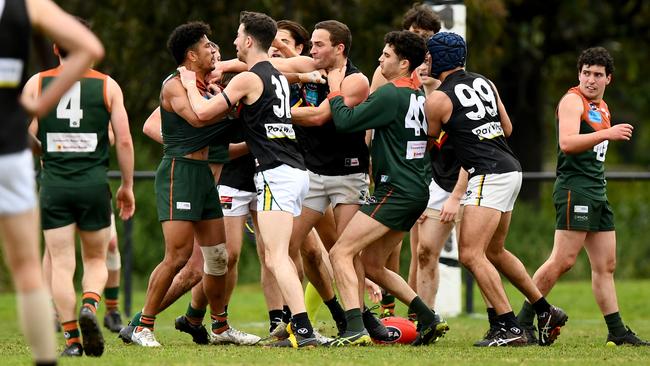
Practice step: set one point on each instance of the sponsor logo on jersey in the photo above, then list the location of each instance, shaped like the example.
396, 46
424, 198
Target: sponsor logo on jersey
580, 209
595, 117
384, 178
279, 131
185, 206
71, 142
11, 72
488, 131
351, 162
415, 149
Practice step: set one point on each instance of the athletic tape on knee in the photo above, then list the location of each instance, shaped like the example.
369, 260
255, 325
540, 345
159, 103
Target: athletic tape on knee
215, 260
113, 261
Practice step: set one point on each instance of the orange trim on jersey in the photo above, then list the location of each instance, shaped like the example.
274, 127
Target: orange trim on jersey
108, 107
89, 74
333, 95
51, 72
602, 109
40, 84
381, 203
416, 79
171, 191
406, 82
568, 210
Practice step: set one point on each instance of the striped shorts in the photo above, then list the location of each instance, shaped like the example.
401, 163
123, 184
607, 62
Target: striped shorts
497, 191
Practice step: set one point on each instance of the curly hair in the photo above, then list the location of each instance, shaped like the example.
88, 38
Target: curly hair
421, 16
596, 56
407, 45
184, 37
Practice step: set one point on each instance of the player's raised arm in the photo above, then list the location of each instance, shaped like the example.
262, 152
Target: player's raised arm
82, 46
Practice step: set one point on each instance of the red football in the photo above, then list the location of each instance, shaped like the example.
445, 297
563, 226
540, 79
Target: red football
401, 330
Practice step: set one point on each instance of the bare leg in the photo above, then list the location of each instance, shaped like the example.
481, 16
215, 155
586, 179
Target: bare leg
61, 246
601, 249
20, 238
179, 236
433, 236
478, 226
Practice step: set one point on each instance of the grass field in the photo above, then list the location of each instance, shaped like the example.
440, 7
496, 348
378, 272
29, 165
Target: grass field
581, 343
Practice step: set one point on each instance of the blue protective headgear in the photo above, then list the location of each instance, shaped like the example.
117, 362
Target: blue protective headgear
448, 50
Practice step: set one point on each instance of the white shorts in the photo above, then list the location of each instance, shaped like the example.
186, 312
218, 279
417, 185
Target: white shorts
325, 190
437, 196
282, 188
497, 191
17, 183
235, 202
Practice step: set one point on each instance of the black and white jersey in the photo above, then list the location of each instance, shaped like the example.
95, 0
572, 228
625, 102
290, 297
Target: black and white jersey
15, 37
269, 132
326, 151
474, 127
239, 172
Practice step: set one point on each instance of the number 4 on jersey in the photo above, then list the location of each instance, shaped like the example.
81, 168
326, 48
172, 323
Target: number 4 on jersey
415, 117
69, 106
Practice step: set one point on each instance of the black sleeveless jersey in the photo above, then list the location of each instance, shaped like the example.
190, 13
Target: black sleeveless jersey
269, 132
15, 36
444, 162
474, 127
327, 152
239, 173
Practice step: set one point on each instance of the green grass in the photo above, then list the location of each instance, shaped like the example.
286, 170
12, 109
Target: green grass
581, 342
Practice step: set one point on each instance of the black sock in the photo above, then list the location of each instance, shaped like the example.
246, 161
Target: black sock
286, 314
492, 316
425, 315
387, 300
509, 321
541, 306
302, 325
354, 320
338, 314
526, 315
615, 324
275, 317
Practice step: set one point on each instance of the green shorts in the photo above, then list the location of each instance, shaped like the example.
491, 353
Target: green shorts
575, 211
394, 210
185, 191
88, 207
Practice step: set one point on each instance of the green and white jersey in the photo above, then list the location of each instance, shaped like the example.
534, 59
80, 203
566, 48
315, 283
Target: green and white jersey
399, 157
74, 135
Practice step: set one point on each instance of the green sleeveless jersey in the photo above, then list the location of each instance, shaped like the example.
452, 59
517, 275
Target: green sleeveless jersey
74, 135
181, 138
399, 157
585, 172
